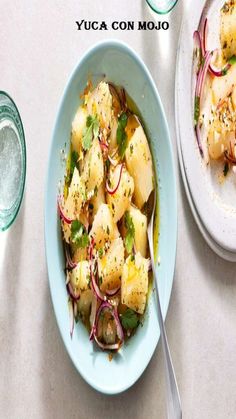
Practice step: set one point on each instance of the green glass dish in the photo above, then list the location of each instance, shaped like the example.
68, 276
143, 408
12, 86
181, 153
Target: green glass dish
161, 7
12, 161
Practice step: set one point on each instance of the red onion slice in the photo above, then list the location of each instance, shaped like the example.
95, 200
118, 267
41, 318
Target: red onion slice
230, 159
197, 47
93, 317
110, 190
112, 161
72, 294
95, 286
204, 73
113, 292
113, 310
203, 37
106, 346
67, 277
218, 72
66, 219
199, 141
103, 146
75, 309
70, 264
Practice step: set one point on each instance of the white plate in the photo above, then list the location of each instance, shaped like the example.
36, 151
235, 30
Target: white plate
220, 251
214, 203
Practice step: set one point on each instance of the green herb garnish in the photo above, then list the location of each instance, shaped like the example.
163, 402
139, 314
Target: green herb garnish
129, 319
196, 109
73, 161
232, 60
121, 136
129, 238
107, 163
100, 252
79, 237
90, 132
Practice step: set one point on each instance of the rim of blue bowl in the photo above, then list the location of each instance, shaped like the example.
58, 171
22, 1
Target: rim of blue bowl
87, 54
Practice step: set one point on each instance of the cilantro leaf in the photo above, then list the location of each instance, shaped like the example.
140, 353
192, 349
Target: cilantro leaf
129, 238
79, 237
100, 252
73, 161
129, 319
232, 60
90, 131
121, 136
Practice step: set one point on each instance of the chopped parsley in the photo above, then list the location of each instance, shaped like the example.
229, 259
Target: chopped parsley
232, 60
72, 162
129, 319
107, 163
129, 238
100, 252
79, 237
90, 132
121, 136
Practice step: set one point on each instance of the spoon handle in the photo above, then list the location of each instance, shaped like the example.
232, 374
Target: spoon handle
174, 410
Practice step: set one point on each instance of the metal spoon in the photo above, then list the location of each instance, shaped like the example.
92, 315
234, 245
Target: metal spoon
174, 410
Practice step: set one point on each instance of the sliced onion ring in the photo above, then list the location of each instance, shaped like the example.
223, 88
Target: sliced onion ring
203, 74
229, 158
75, 308
93, 317
113, 292
199, 93
110, 190
199, 140
74, 297
69, 262
103, 146
197, 47
218, 72
66, 219
95, 286
112, 161
203, 37
106, 346
113, 310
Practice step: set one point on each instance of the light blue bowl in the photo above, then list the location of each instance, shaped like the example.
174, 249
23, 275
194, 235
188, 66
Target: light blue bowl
122, 66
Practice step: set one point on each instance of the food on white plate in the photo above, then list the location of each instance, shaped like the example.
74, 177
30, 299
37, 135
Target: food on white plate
103, 211
215, 91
